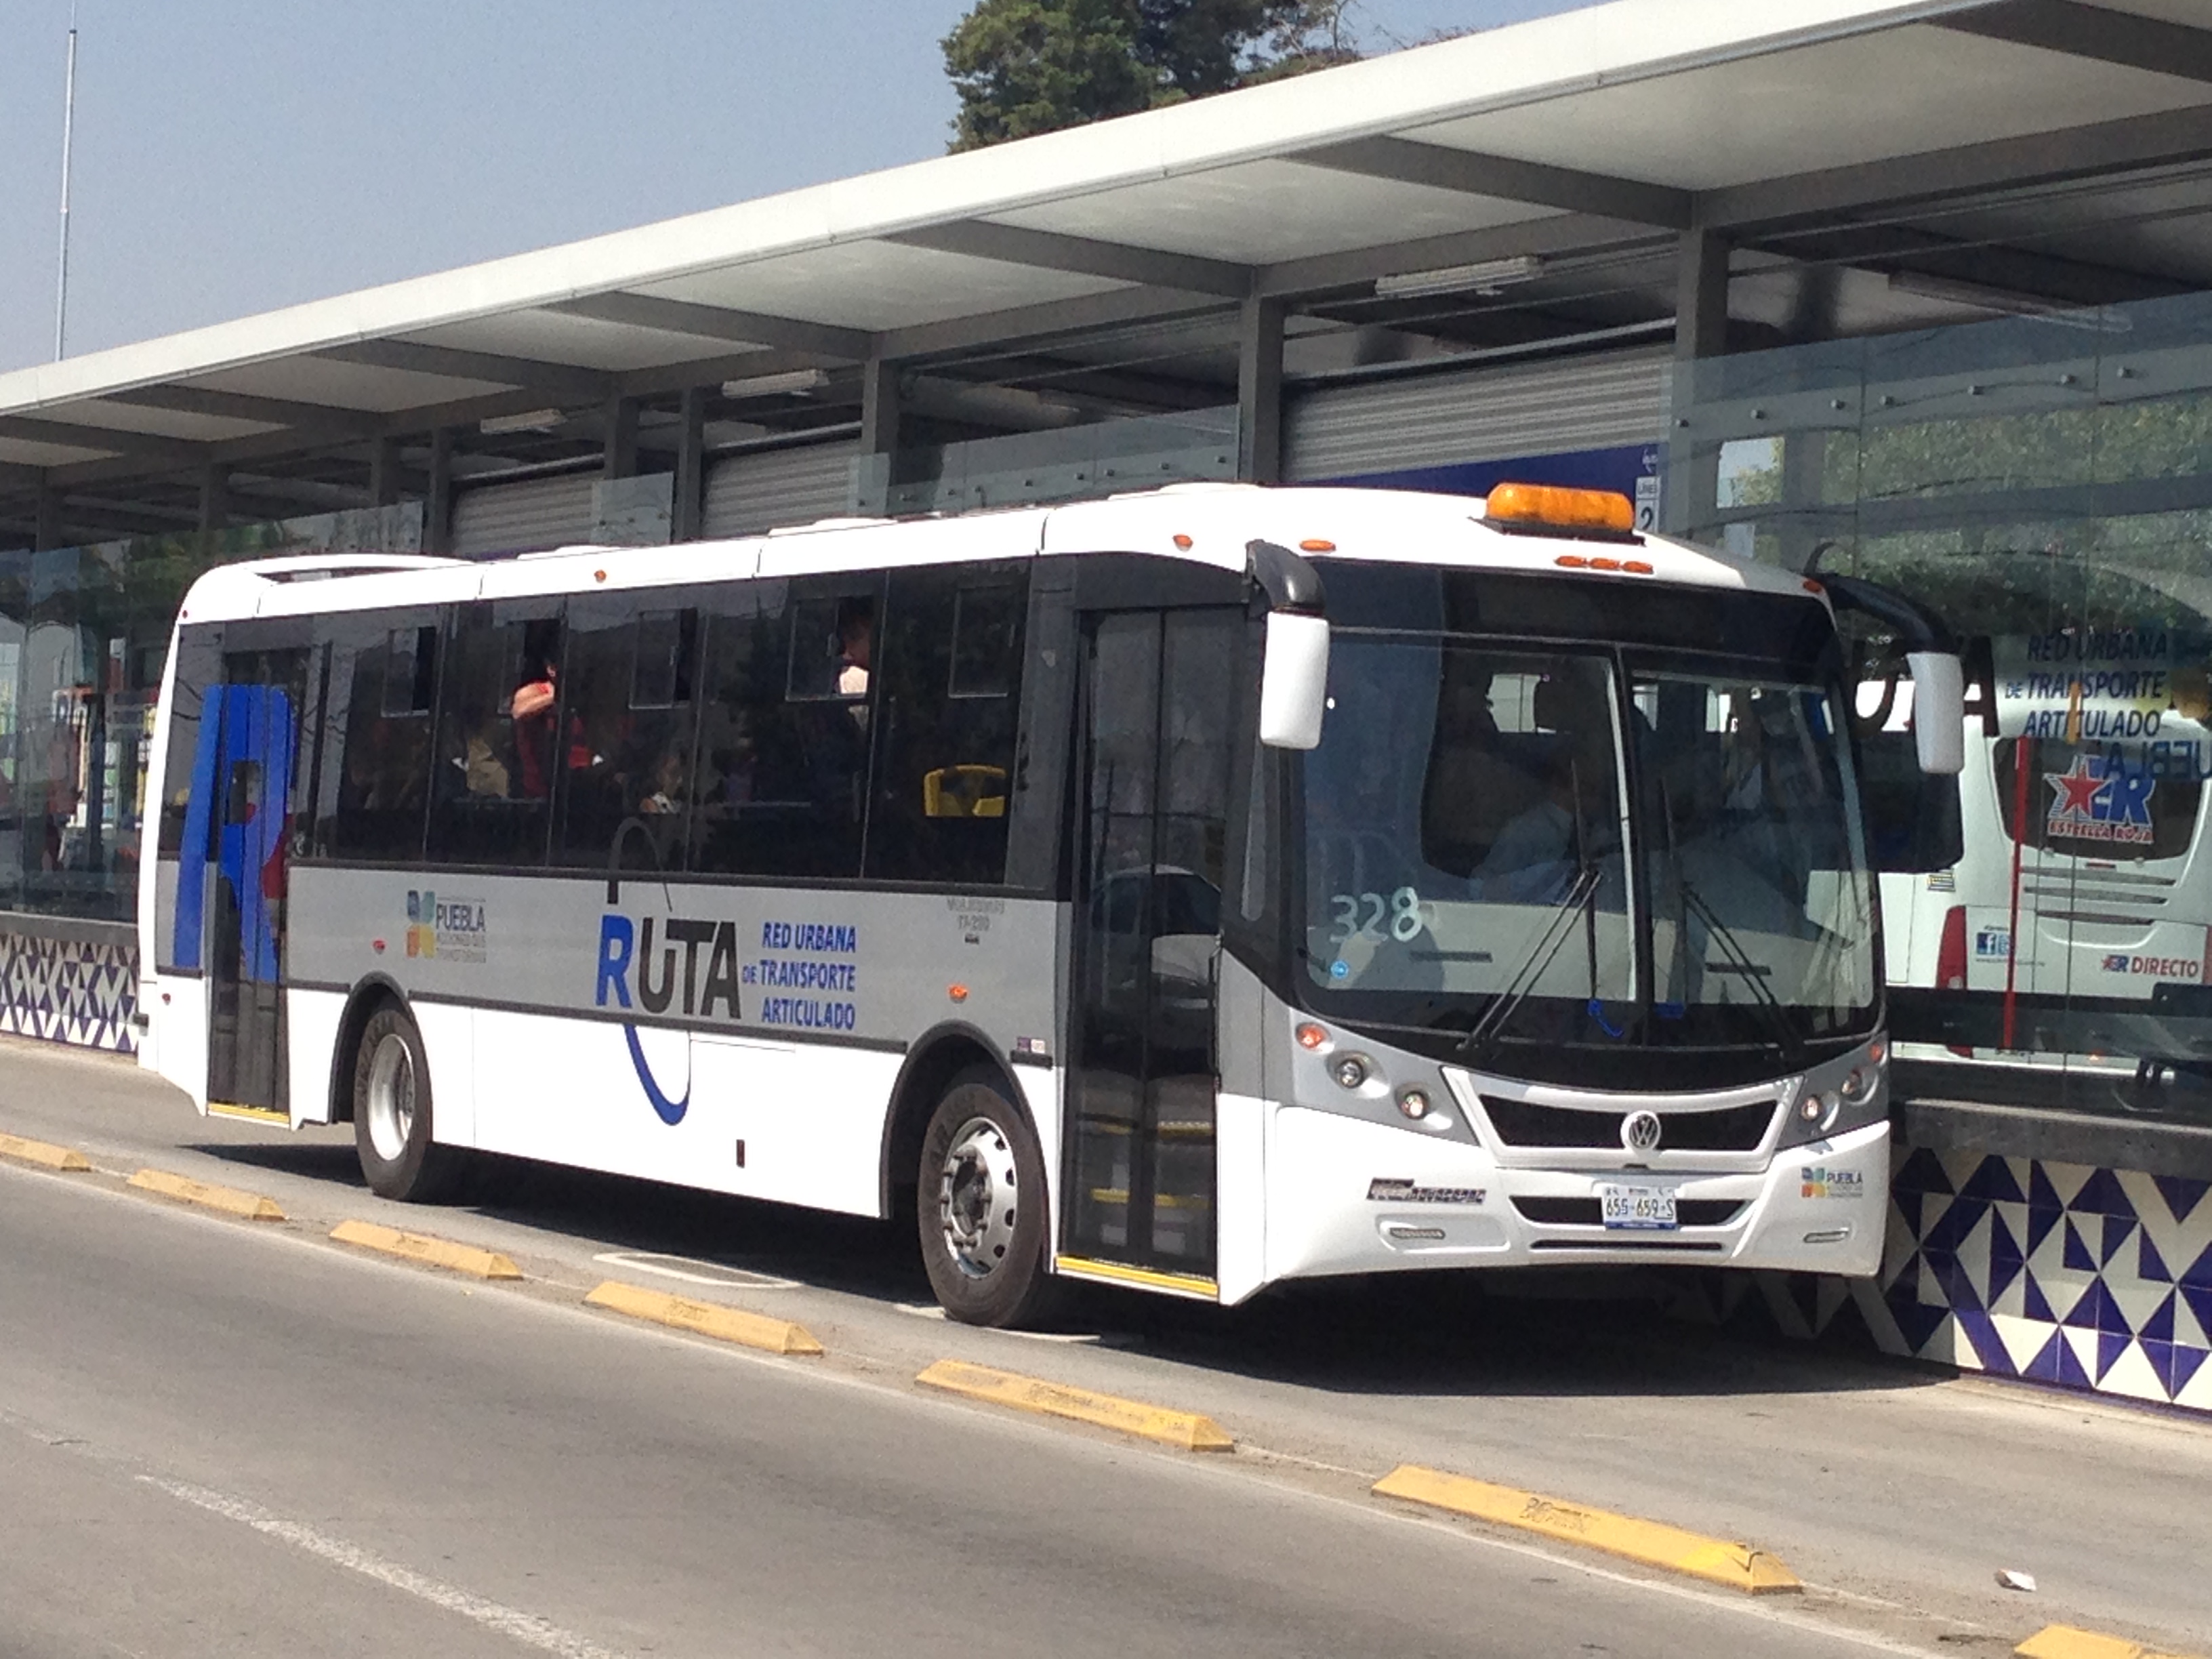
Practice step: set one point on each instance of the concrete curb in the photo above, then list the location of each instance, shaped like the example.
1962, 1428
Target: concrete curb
2065, 1642
430, 1252
750, 1330
1185, 1430
1654, 1544
45, 1154
246, 1206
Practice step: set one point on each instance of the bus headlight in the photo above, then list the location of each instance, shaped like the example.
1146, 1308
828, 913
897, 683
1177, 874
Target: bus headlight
1350, 1070
1859, 1087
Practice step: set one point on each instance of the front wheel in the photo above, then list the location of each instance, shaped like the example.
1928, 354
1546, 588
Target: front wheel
391, 1130
980, 1205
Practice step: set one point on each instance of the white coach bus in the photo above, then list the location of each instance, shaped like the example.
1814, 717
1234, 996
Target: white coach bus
1191, 891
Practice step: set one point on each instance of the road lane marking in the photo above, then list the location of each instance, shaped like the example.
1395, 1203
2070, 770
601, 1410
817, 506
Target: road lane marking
689, 1271
1717, 1561
527, 1628
750, 1330
1185, 1430
431, 1252
247, 1207
43, 1153
2065, 1642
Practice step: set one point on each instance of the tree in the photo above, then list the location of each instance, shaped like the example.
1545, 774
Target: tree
1030, 66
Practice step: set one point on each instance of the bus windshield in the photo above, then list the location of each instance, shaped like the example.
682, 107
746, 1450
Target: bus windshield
1596, 849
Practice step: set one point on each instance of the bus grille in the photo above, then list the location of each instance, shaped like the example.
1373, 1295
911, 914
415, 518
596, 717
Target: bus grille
1525, 1123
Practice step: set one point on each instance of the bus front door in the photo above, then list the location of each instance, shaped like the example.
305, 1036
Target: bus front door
1154, 722
244, 879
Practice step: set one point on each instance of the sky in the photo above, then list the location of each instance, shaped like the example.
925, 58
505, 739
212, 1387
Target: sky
235, 155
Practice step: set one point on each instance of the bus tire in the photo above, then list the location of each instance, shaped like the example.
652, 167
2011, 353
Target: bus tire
392, 1122
980, 1205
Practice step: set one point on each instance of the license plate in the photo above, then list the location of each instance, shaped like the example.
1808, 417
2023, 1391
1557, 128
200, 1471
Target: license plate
1636, 1206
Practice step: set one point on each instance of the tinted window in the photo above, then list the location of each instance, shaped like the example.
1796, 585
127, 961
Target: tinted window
504, 739
630, 694
951, 678
786, 726
375, 737
199, 664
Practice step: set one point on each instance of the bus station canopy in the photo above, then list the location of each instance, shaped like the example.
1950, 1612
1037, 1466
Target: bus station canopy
1936, 160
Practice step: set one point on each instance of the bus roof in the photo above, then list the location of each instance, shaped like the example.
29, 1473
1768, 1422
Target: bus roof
1209, 524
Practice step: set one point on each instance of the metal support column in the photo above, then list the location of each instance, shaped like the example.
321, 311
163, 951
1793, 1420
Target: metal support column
438, 494
879, 435
621, 454
383, 472
1260, 391
214, 498
47, 530
687, 512
1701, 319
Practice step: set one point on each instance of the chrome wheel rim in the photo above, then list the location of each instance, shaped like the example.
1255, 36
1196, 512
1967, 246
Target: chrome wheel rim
391, 1104
975, 1204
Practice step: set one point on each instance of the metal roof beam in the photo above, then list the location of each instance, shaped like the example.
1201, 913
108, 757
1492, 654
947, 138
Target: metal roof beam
702, 322
1441, 168
1025, 326
1559, 235
413, 357
1047, 250
2080, 31
2002, 164
245, 406
74, 435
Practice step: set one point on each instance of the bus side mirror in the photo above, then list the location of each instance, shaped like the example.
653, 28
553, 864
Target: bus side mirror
1293, 680
1939, 711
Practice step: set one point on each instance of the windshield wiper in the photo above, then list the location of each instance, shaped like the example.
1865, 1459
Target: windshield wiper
1571, 908
1753, 974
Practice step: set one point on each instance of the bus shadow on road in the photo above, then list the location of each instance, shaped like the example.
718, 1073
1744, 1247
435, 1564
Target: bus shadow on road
1558, 1332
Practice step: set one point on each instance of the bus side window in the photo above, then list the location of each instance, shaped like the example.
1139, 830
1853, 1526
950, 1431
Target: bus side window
629, 687
951, 654
199, 665
384, 672
503, 736
783, 749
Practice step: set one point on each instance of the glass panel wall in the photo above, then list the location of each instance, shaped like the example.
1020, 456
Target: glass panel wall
84, 632
2044, 483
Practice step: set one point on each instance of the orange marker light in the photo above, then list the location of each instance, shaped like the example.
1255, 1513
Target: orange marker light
1635, 566
1315, 545
958, 992
599, 575
1604, 564
1181, 541
1812, 586
1310, 1035
1572, 561
1561, 509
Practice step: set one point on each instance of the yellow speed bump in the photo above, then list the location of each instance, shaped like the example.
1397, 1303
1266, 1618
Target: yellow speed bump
247, 1207
430, 1252
45, 1155
1185, 1430
750, 1330
1737, 1567
2064, 1642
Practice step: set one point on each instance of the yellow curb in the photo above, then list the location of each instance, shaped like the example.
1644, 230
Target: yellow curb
249, 1207
1737, 1567
752, 1330
1185, 1430
430, 1252
2064, 1642
43, 1153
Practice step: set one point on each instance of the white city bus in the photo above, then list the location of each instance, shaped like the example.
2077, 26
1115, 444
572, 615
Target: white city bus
1192, 890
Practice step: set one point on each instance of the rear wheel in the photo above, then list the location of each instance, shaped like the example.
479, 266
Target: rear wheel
980, 1205
392, 1124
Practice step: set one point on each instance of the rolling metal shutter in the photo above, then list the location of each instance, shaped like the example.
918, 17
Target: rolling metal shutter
523, 517
775, 487
1406, 421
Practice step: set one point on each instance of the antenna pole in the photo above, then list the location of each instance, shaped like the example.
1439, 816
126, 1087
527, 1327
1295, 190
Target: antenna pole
68, 125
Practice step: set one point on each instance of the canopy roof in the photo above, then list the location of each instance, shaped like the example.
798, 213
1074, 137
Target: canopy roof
1934, 157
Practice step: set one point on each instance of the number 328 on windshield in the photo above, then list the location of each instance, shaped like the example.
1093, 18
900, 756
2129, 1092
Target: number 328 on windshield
1376, 916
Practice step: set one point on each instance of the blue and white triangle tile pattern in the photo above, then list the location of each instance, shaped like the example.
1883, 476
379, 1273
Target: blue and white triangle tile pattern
63, 991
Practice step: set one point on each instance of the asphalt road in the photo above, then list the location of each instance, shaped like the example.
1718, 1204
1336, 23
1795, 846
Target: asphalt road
214, 1437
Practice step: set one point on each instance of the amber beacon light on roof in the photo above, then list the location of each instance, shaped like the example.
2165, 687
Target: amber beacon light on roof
1550, 509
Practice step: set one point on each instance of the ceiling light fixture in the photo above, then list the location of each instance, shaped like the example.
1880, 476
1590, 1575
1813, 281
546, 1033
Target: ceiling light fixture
791, 383
535, 420
1483, 276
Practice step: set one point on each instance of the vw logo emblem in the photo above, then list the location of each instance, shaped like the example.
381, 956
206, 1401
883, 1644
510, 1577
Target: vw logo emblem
1639, 1131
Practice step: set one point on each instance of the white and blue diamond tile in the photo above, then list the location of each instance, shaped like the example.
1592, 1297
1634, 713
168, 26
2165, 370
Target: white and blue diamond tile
2089, 1278
66, 991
